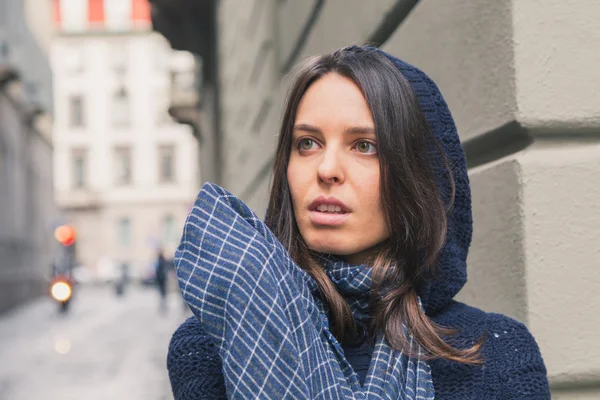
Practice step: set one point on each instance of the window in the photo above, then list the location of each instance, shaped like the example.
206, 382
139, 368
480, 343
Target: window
4, 51
123, 166
168, 229
74, 15
76, 110
32, 91
30, 200
117, 14
2, 167
79, 159
166, 159
119, 57
124, 231
4, 14
6, 191
120, 109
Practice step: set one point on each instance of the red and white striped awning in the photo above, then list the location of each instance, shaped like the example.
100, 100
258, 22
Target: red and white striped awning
118, 15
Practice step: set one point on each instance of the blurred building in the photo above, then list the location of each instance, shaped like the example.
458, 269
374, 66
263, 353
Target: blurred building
26, 196
126, 173
522, 79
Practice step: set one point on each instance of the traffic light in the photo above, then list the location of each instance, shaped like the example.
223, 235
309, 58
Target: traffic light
65, 234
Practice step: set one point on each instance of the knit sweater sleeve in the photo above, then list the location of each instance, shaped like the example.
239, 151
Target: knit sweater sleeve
194, 364
523, 371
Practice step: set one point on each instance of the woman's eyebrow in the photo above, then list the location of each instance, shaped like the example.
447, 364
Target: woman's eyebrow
360, 130
307, 128
354, 130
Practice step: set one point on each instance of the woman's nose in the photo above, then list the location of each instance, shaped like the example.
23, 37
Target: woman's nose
330, 168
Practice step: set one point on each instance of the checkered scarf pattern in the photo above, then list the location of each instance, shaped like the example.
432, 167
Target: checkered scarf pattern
273, 334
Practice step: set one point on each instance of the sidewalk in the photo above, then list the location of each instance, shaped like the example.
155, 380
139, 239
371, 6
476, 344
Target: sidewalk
105, 347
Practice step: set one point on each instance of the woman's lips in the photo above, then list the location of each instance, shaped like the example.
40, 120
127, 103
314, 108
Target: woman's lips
328, 202
328, 218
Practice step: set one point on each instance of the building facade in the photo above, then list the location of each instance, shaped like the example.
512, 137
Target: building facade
26, 192
522, 81
125, 172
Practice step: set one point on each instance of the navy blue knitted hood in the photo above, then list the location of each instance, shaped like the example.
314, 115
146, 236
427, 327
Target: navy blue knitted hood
452, 271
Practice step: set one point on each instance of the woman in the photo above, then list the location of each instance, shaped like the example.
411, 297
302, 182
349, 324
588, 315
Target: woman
347, 289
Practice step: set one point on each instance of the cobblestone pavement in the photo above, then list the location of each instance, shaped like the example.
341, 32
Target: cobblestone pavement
105, 347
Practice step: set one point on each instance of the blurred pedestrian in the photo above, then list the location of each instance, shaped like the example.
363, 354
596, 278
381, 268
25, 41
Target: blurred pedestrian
162, 269
122, 280
347, 290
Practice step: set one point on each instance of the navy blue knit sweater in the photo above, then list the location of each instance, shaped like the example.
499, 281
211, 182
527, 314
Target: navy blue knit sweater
513, 367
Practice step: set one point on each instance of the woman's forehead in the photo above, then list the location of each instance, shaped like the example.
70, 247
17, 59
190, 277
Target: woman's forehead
334, 101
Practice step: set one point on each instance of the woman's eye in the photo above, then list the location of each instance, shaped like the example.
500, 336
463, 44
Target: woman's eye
306, 144
366, 147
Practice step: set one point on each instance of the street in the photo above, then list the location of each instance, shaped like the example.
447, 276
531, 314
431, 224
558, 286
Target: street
104, 347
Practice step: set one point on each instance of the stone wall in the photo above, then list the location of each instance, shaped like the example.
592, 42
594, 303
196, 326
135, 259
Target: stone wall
27, 203
26, 192
523, 83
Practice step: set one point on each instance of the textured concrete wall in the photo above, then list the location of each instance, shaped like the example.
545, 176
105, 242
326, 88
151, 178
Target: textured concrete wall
513, 69
562, 225
497, 259
26, 194
27, 203
522, 81
249, 79
331, 24
557, 63
26, 25
466, 47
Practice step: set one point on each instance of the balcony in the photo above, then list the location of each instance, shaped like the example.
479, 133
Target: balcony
78, 199
184, 90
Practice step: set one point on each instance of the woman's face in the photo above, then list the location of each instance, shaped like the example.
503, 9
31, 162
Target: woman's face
333, 171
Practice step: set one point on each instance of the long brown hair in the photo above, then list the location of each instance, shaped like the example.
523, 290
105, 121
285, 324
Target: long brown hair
414, 209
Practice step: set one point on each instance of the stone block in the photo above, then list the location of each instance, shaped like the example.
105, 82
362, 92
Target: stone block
557, 64
533, 62
536, 251
344, 22
562, 253
496, 265
466, 47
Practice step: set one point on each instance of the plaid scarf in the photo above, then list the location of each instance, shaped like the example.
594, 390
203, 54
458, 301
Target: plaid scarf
273, 334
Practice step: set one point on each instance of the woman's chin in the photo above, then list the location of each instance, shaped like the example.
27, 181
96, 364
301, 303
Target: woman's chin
328, 248
353, 253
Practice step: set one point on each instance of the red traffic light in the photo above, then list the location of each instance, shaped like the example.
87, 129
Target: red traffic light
65, 234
